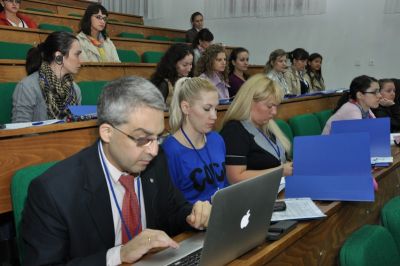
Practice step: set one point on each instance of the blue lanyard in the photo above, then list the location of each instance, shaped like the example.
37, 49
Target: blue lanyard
213, 174
115, 198
274, 146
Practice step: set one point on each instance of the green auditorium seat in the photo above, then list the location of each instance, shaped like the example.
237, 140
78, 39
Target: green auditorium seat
128, 56
323, 116
158, 38
305, 125
40, 10
390, 218
19, 190
53, 27
178, 39
285, 128
152, 57
133, 23
12, 50
90, 91
131, 35
6, 92
371, 245
75, 15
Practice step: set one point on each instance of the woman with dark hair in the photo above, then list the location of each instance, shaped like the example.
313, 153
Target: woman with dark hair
203, 39
176, 63
10, 16
388, 106
313, 72
238, 65
196, 19
49, 89
275, 67
294, 76
96, 45
212, 66
363, 95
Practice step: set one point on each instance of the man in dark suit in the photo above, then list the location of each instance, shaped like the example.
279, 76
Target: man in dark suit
196, 19
73, 211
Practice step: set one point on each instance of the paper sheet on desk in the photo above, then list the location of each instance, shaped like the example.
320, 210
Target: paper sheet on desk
32, 124
282, 184
298, 209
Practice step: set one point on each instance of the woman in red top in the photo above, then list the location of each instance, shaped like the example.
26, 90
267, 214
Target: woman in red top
10, 16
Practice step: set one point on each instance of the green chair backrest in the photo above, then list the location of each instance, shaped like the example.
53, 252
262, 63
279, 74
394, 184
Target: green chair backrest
6, 92
75, 15
285, 128
128, 56
305, 125
40, 10
113, 20
19, 190
90, 91
158, 38
53, 27
133, 22
131, 35
152, 57
178, 39
12, 50
323, 116
371, 245
390, 218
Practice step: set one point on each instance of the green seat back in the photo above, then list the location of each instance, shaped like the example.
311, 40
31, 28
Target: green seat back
305, 125
75, 15
285, 128
19, 190
128, 56
371, 245
178, 39
12, 50
112, 20
131, 35
152, 57
323, 116
53, 27
40, 10
133, 22
390, 217
90, 91
158, 38
6, 92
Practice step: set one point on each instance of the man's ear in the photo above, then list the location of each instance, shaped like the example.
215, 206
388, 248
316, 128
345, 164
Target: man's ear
105, 132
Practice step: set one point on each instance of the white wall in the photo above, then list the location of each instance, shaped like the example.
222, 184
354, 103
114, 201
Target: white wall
351, 35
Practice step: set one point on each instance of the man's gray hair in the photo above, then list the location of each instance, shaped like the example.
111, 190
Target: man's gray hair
121, 97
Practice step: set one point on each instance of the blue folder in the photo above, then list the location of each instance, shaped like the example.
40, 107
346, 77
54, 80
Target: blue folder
379, 130
332, 167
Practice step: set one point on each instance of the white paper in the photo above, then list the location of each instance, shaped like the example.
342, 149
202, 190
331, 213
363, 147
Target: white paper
282, 184
394, 136
33, 124
298, 209
376, 160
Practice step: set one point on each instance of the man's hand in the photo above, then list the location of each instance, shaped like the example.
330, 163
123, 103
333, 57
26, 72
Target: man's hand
143, 243
200, 214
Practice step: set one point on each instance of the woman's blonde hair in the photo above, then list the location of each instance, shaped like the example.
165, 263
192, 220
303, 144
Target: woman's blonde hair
272, 59
257, 88
206, 61
186, 89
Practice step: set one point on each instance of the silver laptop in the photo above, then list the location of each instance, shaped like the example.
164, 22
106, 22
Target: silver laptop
239, 221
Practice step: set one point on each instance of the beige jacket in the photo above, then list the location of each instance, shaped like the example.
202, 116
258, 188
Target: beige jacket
292, 78
90, 53
315, 85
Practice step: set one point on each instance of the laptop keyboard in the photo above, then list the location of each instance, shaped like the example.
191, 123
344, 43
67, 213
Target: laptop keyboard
190, 259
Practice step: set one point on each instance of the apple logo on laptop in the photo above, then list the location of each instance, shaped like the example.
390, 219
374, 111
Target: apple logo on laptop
245, 220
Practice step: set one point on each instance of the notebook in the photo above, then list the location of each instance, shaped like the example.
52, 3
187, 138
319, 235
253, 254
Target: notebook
239, 221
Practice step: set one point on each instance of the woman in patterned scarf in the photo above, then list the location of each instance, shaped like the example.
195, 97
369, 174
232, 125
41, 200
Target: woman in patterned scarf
96, 45
48, 89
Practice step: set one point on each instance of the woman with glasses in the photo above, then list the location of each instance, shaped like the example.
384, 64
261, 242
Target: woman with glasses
388, 106
49, 88
10, 16
96, 45
195, 153
356, 103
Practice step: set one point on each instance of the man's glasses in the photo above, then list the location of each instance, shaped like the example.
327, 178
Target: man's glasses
376, 92
100, 17
13, 1
142, 142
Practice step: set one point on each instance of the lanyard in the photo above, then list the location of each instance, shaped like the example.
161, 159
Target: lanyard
128, 232
213, 174
274, 146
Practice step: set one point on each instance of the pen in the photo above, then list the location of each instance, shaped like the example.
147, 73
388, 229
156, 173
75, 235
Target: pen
37, 123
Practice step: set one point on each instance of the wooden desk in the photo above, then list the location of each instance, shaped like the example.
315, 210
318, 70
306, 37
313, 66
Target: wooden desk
24, 147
